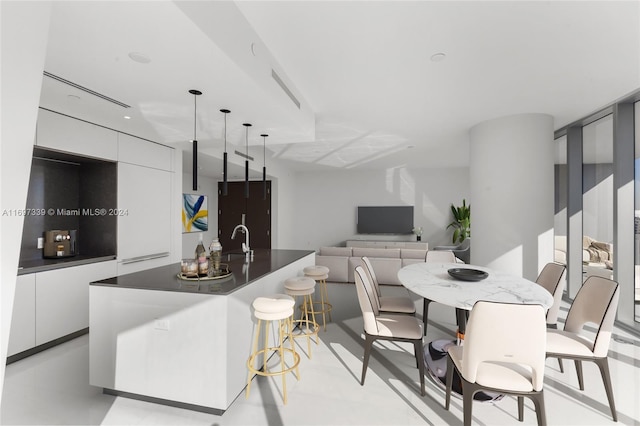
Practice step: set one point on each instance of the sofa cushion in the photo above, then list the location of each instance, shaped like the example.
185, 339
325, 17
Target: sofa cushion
376, 252
338, 267
335, 251
413, 254
386, 269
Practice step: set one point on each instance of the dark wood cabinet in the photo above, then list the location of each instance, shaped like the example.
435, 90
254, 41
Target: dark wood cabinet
234, 207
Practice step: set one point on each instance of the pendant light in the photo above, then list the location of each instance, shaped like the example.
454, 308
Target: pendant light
246, 161
264, 166
225, 186
195, 94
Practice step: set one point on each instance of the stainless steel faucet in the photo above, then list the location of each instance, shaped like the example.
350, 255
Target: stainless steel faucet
245, 245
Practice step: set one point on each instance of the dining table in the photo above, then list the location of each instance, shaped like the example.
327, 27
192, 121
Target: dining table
461, 286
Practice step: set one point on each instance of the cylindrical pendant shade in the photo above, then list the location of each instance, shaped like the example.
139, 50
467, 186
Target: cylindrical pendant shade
246, 178
264, 183
225, 186
195, 165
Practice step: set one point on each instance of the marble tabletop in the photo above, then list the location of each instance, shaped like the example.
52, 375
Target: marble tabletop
432, 281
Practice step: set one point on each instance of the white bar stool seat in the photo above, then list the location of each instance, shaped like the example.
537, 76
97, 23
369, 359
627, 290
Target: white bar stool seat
277, 307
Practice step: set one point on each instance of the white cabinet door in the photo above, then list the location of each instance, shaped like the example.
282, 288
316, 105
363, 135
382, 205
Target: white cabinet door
23, 320
62, 299
70, 135
144, 153
145, 230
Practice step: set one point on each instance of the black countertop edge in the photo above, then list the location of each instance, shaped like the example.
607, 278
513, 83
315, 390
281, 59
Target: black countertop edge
41, 265
165, 278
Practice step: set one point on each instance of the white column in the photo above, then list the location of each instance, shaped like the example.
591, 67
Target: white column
512, 193
25, 26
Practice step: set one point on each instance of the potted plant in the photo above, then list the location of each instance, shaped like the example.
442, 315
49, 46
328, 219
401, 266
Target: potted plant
462, 223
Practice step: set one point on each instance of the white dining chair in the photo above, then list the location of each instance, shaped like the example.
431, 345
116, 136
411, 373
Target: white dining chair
551, 278
377, 326
388, 304
495, 360
435, 256
596, 304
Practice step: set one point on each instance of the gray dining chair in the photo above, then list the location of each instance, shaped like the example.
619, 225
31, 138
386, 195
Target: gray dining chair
378, 326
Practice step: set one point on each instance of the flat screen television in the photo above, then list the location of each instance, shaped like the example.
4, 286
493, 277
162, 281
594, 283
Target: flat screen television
385, 220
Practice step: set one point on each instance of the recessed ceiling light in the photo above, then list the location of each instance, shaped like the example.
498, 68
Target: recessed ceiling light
253, 49
126, 117
73, 97
437, 57
139, 57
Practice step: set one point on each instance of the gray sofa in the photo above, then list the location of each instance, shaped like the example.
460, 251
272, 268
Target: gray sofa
342, 261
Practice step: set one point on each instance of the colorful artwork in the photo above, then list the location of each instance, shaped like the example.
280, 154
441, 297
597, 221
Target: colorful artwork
194, 213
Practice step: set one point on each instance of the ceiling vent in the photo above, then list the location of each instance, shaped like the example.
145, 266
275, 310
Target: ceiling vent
84, 89
284, 87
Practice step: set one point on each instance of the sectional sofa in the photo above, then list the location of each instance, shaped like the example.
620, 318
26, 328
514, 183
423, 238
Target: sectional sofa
386, 259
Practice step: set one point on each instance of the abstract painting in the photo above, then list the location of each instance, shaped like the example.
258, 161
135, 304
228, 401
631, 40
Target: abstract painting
194, 213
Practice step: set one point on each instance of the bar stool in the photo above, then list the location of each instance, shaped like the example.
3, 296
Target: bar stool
320, 274
277, 307
305, 287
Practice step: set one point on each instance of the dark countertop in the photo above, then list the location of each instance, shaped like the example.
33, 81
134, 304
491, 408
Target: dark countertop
40, 265
165, 278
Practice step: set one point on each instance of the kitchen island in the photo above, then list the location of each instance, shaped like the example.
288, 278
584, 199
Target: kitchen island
158, 338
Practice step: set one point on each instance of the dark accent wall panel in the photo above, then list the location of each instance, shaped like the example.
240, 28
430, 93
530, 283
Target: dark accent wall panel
98, 200
71, 190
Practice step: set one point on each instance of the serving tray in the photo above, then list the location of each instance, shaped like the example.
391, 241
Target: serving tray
224, 273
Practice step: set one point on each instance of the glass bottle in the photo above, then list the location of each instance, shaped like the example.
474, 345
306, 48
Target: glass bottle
215, 252
201, 258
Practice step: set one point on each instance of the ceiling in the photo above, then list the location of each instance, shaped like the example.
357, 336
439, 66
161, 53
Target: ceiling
370, 92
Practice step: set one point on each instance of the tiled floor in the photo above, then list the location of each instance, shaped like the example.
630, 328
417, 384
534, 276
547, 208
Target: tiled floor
52, 387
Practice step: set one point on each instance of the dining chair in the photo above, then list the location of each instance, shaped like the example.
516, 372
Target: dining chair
595, 303
388, 304
377, 326
435, 256
551, 279
494, 360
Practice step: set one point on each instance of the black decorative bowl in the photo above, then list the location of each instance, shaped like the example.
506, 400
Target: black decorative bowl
466, 274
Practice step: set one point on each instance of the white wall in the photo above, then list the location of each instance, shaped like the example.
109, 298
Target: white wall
209, 187
24, 28
325, 204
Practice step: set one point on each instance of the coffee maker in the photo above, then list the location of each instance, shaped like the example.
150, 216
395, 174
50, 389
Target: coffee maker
59, 243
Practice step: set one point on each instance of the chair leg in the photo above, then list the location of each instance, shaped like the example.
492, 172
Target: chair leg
520, 408
603, 365
468, 391
425, 314
368, 343
560, 365
448, 382
580, 376
420, 358
538, 402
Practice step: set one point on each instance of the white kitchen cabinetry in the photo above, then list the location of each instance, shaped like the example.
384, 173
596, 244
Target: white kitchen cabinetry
62, 299
67, 134
23, 320
144, 153
144, 228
